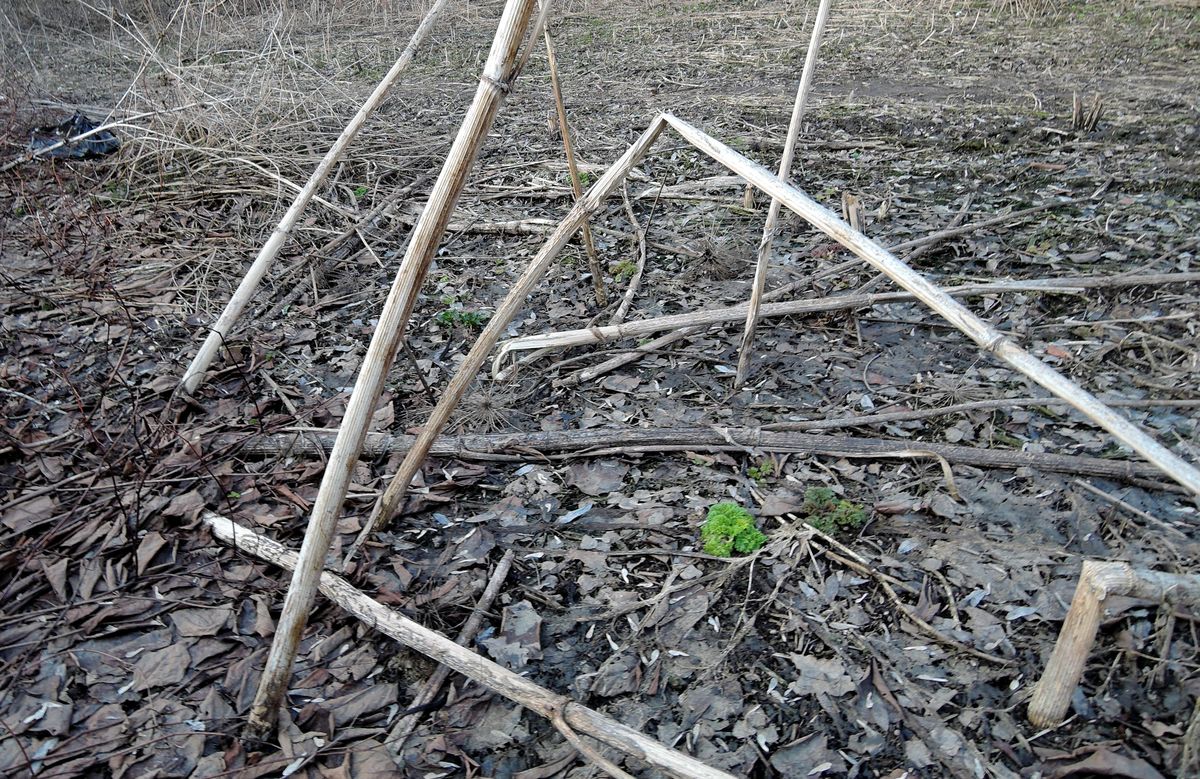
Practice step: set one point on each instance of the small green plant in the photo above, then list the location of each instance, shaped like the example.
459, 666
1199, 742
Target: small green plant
829, 514
360, 191
729, 528
623, 270
456, 317
761, 472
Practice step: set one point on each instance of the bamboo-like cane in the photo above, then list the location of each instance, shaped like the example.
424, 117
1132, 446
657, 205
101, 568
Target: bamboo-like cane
475, 359
493, 87
496, 677
987, 337
1097, 580
785, 168
712, 316
245, 292
564, 129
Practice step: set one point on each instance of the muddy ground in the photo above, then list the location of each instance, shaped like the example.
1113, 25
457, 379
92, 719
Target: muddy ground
131, 641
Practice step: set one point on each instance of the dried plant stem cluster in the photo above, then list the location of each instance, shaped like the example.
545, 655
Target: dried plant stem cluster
498, 74
503, 64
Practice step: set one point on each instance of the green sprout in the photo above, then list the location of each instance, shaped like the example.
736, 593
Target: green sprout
761, 472
829, 514
455, 317
623, 270
729, 528
360, 191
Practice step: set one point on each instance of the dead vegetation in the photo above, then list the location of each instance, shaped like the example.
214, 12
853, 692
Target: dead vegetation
132, 641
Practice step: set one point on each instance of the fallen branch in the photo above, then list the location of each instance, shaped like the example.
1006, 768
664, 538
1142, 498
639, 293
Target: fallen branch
516, 688
591, 335
957, 408
1097, 580
920, 244
604, 441
1134, 510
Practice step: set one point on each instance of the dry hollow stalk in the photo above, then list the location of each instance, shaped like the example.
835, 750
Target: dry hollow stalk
1097, 580
262, 263
785, 167
493, 87
507, 309
434, 645
590, 335
987, 337
573, 171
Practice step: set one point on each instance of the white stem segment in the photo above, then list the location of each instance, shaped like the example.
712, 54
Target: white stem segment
494, 85
785, 168
1064, 285
496, 677
979, 331
262, 263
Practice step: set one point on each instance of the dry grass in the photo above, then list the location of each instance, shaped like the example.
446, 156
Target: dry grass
224, 108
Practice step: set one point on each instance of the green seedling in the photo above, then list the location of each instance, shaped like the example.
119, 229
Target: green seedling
829, 514
455, 317
623, 270
730, 528
360, 191
761, 472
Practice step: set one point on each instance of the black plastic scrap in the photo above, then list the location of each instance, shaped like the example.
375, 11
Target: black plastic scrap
47, 138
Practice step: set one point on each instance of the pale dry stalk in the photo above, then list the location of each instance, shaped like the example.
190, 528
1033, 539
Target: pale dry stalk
985, 335
785, 168
590, 335
494, 85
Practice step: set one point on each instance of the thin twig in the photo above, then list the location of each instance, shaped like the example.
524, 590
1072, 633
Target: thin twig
564, 129
404, 726
785, 168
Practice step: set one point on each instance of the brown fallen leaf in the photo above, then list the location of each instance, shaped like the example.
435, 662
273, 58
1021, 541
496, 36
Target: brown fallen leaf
201, 622
56, 575
151, 543
1103, 762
